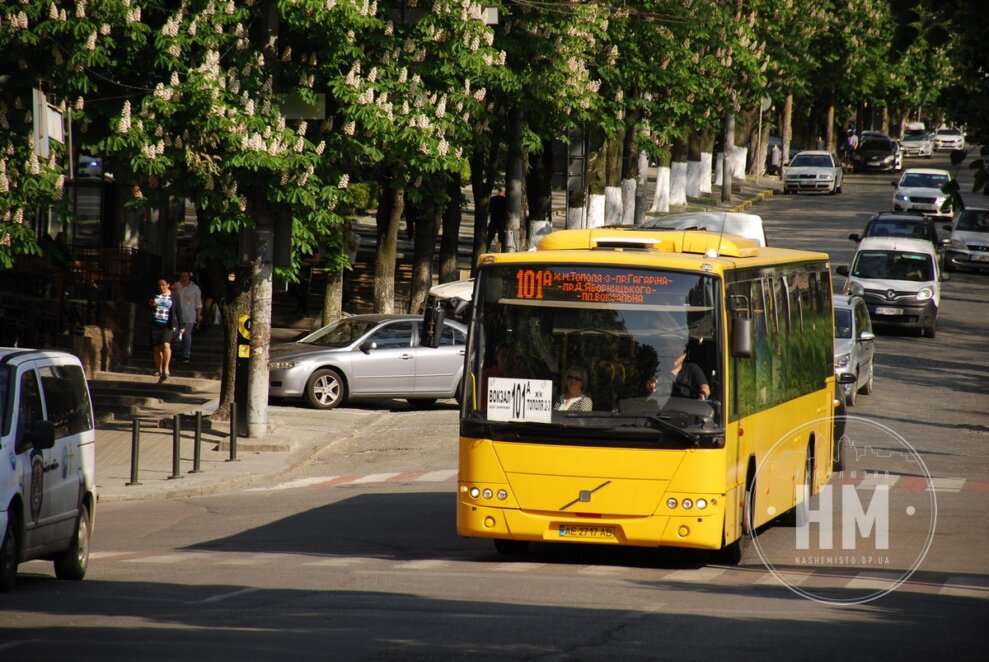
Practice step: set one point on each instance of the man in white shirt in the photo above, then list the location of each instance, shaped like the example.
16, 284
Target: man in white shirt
190, 300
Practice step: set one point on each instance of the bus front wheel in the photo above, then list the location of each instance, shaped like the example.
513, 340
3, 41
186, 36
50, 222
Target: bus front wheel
732, 553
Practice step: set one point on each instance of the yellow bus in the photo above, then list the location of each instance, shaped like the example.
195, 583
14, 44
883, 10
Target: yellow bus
644, 388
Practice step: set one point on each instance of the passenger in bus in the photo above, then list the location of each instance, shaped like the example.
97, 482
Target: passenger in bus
504, 366
679, 378
572, 398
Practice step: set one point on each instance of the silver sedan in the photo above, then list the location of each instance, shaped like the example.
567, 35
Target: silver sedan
368, 357
814, 171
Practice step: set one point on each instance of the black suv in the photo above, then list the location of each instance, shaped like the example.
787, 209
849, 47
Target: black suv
902, 224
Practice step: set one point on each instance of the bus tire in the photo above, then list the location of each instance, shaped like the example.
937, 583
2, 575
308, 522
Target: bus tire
789, 518
511, 547
732, 553
73, 562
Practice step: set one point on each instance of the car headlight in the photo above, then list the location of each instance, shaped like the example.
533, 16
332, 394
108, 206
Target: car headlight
899, 197
888, 159
280, 365
826, 176
842, 360
924, 293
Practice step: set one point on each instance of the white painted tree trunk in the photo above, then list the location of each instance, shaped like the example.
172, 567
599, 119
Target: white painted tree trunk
705, 172
628, 202
538, 230
661, 198
678, 183
595, 210
612, 205
694, 174
719, 167
575, 218
739, 156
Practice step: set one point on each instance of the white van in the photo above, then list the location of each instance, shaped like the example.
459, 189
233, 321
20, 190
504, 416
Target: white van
47, 458
900, 280
745, 225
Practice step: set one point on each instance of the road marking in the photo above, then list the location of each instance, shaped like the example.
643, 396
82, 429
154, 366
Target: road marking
962, 587
437, 475
373, 478
874, 580
695, 575
601, 571
519, 566
161, 558
222, 596
876, 481
948, 484
339, 561
421, 564
292, 484
785, 578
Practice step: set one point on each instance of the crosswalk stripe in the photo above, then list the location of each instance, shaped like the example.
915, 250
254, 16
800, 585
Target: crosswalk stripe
160, 558
437, 475
373, 478
695, 575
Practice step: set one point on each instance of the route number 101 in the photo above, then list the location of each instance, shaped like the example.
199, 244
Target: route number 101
531, 283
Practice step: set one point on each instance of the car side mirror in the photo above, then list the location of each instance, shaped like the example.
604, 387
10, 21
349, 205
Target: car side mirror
842, 270
40, 436
846, 378
867, 335
855, 237
893, 184
945, 277
946, 242
368, 345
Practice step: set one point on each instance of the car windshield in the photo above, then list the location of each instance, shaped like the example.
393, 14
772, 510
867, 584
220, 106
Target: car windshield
923, 180
915, 137
811, 161
891, 228
591, 349
339, 334
973, 220
893, 265
842, 323
878, 145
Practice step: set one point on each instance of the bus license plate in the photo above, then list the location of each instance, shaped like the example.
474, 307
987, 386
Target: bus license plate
880, 310
586, 532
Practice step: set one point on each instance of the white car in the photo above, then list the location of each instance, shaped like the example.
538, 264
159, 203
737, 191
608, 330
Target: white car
815, 171
919, 189
900, 281
917, 144
969, 247
949, 139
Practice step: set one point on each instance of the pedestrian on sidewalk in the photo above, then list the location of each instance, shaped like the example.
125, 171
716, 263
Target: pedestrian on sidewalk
498, 218
163, 327
190, 306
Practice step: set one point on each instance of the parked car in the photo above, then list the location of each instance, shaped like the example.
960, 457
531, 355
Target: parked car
919, 189
369, 357
917, 144
900, 281
746, 225
894, 224
968, 247
945, 138
854, 346
815, 171
47, 476
874, 153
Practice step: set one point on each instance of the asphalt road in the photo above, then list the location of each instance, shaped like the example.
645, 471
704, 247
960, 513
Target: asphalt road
356, 556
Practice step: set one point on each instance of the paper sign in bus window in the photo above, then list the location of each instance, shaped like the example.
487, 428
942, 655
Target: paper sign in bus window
529, 400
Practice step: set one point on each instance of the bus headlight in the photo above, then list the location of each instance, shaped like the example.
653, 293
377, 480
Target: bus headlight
502, 495
487, 493
474, 492
671, 503
701, 504
688, 504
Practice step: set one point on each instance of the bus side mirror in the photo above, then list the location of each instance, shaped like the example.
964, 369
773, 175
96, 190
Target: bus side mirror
432, 326
741, 337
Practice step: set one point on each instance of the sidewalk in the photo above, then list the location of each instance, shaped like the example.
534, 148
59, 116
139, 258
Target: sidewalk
296, 433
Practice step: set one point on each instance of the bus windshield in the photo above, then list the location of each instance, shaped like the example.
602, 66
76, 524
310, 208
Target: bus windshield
596, 355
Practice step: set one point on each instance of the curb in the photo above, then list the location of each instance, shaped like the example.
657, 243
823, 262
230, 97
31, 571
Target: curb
742, 206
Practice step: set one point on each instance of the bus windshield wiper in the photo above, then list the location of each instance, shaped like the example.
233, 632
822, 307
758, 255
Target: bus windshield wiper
663, 423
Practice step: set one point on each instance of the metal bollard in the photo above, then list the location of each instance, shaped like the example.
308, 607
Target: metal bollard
197, 454
135, 451
233, 432
176, 438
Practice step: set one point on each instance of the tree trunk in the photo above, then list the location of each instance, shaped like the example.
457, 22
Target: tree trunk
727, 165
235, 303
481, 184
661, 196
642, 178
787, 127
257, 382
333, 295
422, 260
386, 250
829, 139
678, 173
694, 167
513, 181
450, 239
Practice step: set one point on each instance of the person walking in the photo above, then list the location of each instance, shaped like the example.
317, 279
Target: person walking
498, 218
190, 306
163, 328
